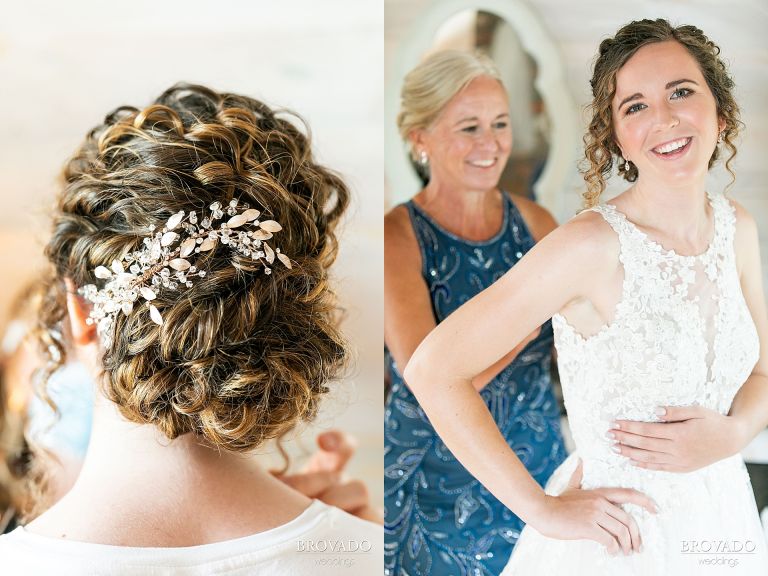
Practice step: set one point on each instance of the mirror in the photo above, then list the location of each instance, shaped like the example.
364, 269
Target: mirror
479, 30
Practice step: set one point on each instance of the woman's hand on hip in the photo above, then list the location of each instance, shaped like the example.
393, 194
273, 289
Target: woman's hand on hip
578, 514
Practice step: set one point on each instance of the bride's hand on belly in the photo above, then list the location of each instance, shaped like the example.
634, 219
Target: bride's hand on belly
689, 438
578, 514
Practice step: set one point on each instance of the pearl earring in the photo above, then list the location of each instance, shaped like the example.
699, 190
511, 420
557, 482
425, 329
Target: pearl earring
423, 159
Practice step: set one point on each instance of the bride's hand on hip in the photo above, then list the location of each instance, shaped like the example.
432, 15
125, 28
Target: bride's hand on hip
688, 438
578, 514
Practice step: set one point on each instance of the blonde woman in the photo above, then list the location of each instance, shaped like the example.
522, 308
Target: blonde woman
453, 239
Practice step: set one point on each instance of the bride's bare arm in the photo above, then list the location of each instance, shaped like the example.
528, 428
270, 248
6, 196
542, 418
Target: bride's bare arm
408, 315
475, 337
750, 406
557, 270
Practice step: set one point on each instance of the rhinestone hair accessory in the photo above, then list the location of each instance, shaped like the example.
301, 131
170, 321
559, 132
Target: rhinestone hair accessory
165, 260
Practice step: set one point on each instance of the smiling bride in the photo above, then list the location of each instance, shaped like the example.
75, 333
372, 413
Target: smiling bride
660, 325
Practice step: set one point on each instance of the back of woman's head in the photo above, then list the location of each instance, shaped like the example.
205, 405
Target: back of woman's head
245, 351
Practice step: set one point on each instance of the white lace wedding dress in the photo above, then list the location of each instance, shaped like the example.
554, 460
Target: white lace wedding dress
682, 335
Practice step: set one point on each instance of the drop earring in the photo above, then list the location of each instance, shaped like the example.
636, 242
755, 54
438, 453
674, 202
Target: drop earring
720, 136
423, 159
626, 164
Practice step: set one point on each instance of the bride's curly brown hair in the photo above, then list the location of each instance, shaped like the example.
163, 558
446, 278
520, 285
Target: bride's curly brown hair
601, 149
241, 357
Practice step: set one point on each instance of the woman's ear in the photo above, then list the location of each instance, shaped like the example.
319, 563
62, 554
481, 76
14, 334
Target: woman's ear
621, 150
78, 311
416, 138
721, 124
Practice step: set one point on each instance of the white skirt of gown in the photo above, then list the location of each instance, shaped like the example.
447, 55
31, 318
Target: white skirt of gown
708, 525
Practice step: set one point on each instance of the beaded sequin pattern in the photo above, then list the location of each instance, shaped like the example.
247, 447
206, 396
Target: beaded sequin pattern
439, 518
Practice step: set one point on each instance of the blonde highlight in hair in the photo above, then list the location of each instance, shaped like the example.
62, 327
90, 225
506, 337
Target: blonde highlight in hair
600, 148
429, 87
241, 357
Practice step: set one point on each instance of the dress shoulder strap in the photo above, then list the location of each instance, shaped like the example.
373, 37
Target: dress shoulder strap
618, 221
426, 236
633, 250
725, 224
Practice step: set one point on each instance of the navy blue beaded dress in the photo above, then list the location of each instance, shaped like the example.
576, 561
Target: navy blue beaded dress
439, 520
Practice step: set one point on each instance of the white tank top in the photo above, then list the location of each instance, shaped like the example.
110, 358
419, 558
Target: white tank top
323, 540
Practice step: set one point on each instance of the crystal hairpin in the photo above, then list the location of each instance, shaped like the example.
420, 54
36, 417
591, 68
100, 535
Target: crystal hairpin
164, 260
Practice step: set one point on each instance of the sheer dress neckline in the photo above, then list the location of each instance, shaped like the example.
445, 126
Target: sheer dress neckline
657, 246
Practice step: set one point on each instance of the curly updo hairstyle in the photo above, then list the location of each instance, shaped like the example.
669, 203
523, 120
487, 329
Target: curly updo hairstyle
241, 357
600, 142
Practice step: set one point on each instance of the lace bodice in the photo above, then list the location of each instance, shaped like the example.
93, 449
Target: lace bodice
681, 335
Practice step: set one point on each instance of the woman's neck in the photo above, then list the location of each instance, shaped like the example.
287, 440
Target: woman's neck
471, 214
137, 488
681, 214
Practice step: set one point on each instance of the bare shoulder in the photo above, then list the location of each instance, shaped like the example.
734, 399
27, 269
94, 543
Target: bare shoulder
745, 222
586, 245
746, 235
746, 242
397, 225
538, 219
399, 238
588, 232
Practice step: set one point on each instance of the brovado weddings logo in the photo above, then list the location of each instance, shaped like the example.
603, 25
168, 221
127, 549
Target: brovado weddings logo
718, 547
334, 552
333, 546
718, 552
